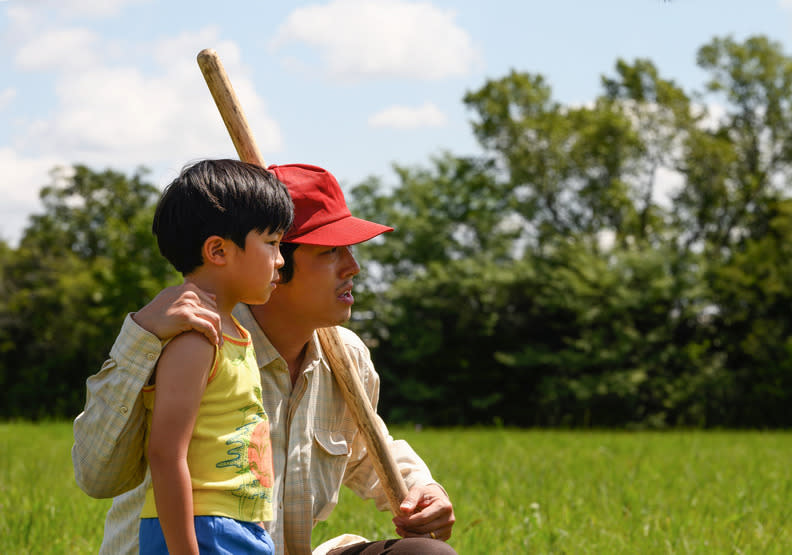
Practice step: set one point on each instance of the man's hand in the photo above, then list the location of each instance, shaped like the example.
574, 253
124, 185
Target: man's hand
427, 512
178, 309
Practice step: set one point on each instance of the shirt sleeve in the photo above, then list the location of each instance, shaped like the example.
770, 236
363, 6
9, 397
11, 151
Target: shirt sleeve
108, 450
360, 475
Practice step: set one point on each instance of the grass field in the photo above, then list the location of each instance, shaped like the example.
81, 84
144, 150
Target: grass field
514, 492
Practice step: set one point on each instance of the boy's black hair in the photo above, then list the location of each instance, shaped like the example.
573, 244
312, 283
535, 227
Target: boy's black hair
224, 197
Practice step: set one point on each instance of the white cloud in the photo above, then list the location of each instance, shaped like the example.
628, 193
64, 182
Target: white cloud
712, 114
668, 183
22, 179
96, 8
151, 107
120, 115
6, 97
60, 49
381, 38
64, 9
406, 117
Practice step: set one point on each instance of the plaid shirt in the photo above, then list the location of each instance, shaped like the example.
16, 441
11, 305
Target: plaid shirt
315, 444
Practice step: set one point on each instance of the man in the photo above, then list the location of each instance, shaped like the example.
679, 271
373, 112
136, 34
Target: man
315, 442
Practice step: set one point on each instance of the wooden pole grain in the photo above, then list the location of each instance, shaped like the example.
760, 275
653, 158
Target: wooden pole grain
342, 366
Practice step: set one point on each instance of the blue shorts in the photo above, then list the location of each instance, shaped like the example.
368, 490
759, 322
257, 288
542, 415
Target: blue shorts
216, 535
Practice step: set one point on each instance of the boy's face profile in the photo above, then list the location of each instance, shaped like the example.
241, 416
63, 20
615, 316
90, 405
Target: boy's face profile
255, 268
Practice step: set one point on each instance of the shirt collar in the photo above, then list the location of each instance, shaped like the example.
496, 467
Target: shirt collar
266, 354
314, 356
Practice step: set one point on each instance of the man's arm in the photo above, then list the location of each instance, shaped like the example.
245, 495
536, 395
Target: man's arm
182, 373
108, 435
427, 508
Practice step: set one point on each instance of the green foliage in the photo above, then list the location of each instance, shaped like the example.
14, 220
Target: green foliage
84, 263
554, 280
753, 291
569, 294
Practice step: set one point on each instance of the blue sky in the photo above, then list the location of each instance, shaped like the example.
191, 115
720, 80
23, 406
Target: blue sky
351, 85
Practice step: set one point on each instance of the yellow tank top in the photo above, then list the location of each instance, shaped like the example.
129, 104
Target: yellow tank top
229, 455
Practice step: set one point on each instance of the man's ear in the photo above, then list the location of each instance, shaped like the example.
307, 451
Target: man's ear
215, 251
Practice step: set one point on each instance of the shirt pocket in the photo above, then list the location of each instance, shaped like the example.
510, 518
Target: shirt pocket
329, 462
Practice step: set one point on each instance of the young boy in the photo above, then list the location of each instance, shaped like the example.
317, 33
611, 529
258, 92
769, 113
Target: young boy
220, 224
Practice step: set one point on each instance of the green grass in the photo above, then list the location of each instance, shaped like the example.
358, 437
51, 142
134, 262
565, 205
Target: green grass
514, 492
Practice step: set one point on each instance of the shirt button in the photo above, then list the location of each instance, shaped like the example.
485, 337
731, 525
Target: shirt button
123, 409
151, 356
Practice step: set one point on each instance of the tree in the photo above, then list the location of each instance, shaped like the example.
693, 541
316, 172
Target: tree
588, 299
739, 166
81, 265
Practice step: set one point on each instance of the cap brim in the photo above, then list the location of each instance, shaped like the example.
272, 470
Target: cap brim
347, 231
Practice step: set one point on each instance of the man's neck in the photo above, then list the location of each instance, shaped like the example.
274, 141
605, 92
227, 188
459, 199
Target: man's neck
289, 340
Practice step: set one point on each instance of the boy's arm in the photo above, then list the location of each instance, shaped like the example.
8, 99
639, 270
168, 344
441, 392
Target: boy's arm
108, 435
182, 373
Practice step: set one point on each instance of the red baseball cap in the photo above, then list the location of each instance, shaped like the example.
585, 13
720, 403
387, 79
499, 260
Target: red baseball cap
321, 216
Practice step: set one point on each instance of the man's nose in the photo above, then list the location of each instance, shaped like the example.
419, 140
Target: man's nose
350, 266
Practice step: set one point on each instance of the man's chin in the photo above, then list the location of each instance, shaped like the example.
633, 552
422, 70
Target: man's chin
342, 319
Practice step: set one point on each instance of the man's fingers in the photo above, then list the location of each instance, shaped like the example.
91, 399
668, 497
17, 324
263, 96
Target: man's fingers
197, 310
208, 324
410, 501
181, 308
194, 298
204, 299
441, 533
432, 516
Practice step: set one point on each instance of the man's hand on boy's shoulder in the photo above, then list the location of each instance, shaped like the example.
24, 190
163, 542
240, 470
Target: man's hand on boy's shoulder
178, 309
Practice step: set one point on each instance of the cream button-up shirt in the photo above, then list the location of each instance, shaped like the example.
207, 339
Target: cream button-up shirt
315, 444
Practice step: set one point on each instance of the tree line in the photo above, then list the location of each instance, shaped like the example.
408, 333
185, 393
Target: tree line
625, 263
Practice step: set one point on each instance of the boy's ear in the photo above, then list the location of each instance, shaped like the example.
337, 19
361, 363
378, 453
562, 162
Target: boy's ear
215, 251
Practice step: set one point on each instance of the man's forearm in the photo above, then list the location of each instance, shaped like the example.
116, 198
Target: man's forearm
107, 463
363, 480
108, 435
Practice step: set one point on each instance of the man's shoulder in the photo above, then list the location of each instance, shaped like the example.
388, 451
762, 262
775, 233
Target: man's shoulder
351, 339
356, 348
359, 352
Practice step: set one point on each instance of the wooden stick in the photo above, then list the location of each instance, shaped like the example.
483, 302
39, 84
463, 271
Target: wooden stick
341, 364
346, 375
230, 108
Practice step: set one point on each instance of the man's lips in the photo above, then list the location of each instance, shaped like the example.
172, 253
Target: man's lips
344, 293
